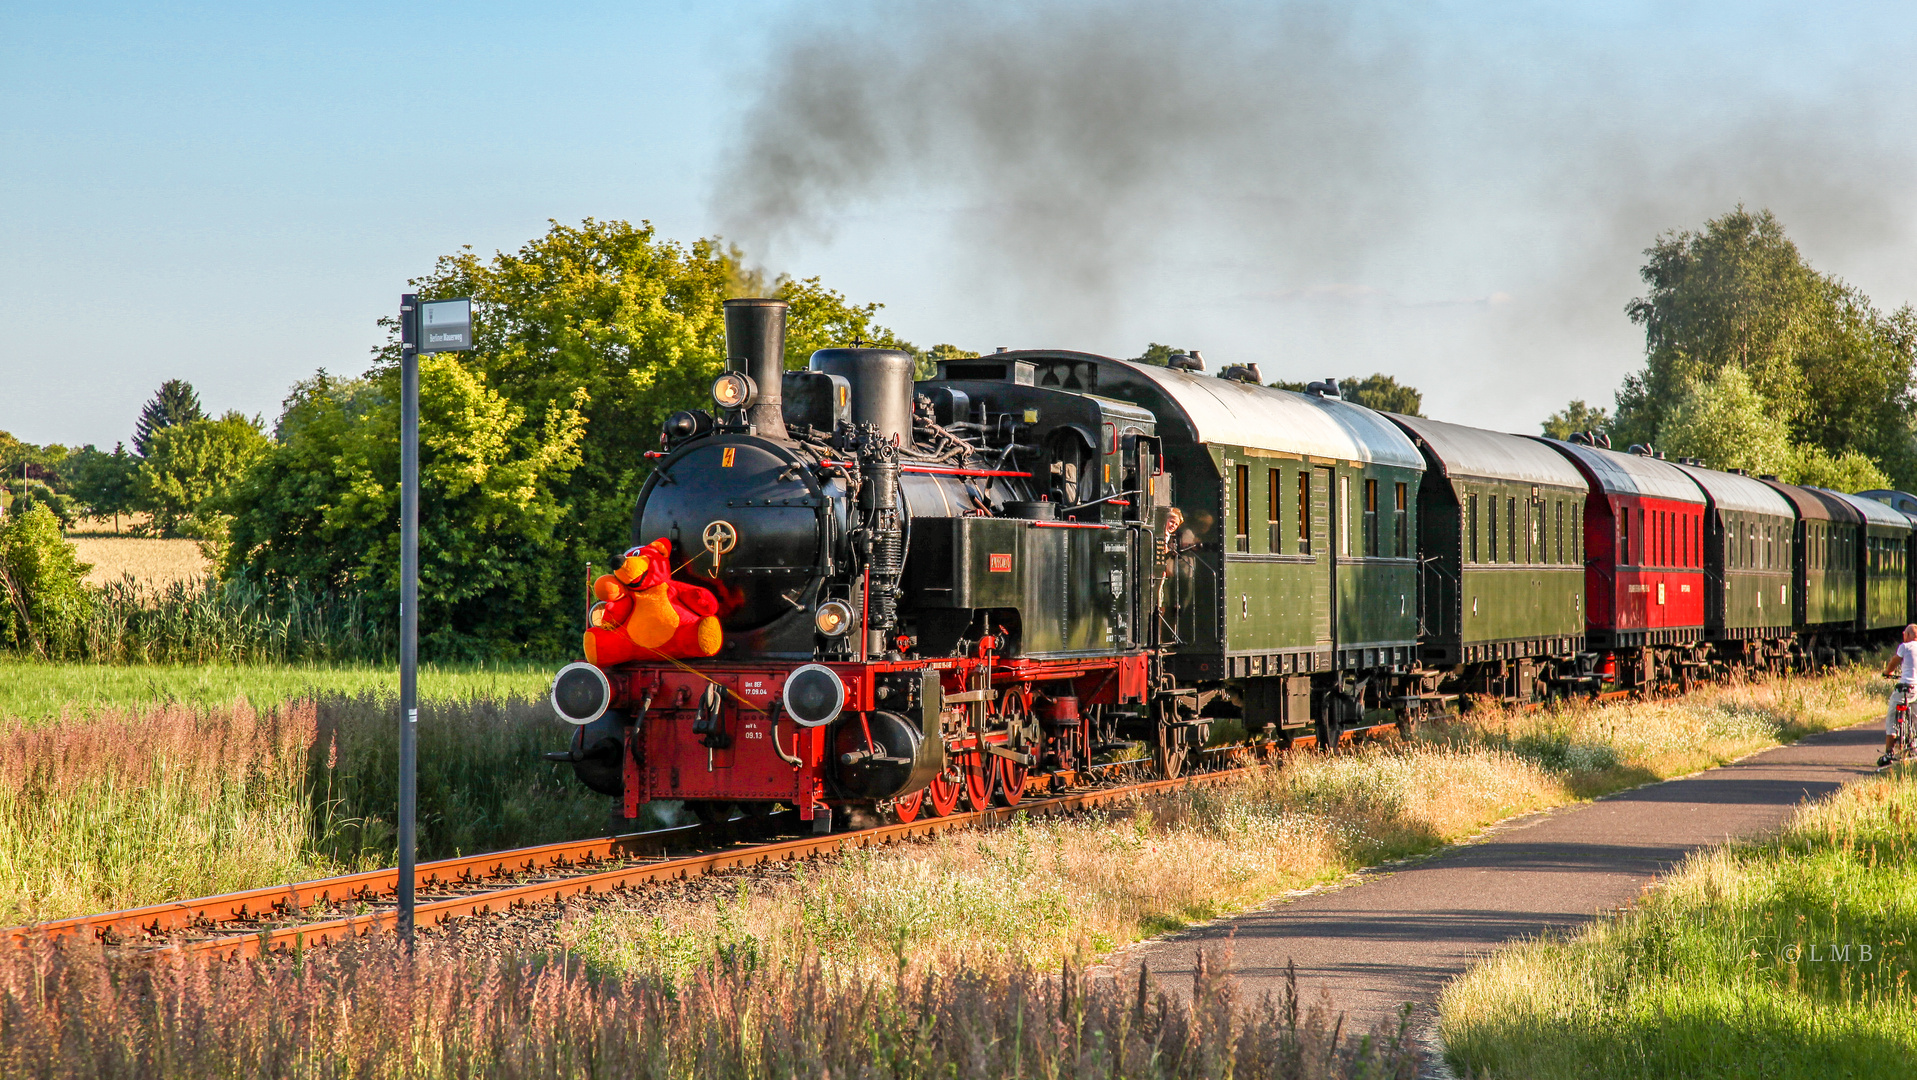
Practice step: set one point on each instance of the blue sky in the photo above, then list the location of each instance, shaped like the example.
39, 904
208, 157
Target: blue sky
233, 194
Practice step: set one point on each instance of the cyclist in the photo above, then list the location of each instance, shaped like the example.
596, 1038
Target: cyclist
1902, 666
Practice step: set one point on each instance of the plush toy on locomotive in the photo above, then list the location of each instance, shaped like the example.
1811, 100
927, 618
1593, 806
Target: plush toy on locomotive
844, 592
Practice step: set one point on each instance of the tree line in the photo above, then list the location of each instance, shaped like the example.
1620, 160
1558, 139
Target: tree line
533, 444
182, 464
1755, 360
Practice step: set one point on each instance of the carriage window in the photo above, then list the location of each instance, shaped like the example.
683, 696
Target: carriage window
1371, 517
1473, 500
1344, 515
1491, 530
1511, 529
1274, 494
1304, 511
1401, 526
1624, 536
1242, 503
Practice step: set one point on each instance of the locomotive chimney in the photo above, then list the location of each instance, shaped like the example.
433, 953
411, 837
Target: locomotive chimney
755, 347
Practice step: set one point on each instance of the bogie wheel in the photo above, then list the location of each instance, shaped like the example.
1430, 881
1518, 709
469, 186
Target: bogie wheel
978, 780
1011, 780
1327, 735
942, 794
1169, 751
907, 807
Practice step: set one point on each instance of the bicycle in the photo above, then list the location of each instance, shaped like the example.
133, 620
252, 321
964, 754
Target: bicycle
1902, 739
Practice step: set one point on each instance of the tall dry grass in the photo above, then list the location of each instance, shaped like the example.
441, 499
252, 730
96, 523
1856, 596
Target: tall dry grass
69, 1012
1051, 889
121, 808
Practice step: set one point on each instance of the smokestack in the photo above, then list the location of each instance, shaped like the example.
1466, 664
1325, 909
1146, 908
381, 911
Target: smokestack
755, 347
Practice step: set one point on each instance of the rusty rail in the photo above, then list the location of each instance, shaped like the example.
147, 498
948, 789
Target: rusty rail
568, 868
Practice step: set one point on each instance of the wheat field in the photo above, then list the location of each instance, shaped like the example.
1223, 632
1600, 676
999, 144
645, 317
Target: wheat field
154, 563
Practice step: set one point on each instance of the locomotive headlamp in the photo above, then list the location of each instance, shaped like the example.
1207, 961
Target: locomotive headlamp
581, 694
733, 390
833, 618
814, 695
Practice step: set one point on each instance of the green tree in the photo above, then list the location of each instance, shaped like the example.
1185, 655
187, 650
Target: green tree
28, 493
318, 511
1157, 354
928, 361
190, 468
104, 485
46, 602
634, 322
1723, 421
1851, 471
173, 403
1379, 391
1576, 417
1739, 294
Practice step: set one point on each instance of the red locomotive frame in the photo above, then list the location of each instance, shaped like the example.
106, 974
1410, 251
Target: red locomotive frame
772, 758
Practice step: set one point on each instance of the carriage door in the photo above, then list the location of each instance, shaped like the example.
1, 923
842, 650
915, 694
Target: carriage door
1149, 492
1324, 577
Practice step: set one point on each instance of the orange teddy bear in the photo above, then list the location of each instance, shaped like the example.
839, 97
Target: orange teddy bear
643, 614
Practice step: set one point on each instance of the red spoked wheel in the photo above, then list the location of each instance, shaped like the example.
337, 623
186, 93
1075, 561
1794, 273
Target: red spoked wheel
1011, 780
907, 808
977, 766
942, 794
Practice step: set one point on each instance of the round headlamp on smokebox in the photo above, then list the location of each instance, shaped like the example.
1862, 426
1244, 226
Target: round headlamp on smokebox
833, 618
734, 390
581, 693
814, 695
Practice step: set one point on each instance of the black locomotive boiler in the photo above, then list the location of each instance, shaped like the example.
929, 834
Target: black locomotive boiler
944, 594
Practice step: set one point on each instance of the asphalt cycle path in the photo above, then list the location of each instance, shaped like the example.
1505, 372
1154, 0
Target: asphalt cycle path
1398, 935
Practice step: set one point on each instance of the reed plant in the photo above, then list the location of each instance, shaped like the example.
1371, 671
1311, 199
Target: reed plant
69, 1011
125, 808
206, 620
1788, 957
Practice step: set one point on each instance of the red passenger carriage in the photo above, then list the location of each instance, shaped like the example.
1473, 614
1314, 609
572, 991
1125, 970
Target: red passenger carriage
1644, 563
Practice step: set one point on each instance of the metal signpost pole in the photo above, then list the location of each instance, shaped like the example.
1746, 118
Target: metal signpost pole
408, 606
432, 327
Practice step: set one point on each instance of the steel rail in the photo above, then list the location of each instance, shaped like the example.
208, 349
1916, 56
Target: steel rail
380, 886
375, 885
304, 935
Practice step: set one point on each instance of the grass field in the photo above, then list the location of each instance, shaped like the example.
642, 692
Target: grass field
1787, 958
33, 692
1052, 889
153, 562
127, 808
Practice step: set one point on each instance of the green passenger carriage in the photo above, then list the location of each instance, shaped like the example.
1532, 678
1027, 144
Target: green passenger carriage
1500, 526
1882, 543
1747, 566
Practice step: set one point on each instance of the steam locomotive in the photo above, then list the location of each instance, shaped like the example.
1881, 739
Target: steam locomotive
944, 594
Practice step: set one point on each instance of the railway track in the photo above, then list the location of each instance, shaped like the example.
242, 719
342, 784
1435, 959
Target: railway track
319, 912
